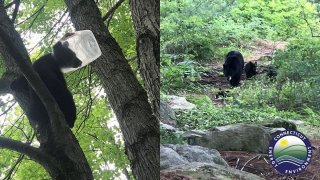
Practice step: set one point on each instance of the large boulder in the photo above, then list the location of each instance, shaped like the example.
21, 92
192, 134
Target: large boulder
167, 115
196, 170
236, 137
169, 157
277, 122
174, 155
179, 103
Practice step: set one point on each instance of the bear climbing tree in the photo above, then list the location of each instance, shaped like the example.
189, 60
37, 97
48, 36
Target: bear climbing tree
49, 69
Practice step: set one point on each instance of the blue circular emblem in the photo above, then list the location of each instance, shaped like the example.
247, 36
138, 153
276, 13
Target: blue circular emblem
290, 152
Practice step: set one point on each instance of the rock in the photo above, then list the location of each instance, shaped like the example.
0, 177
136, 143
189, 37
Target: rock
167, 115
194, 133
281, 123
169, 158
274, 131
170, 135
176, 102
236, 137
172, 176
173, 155
167, 127
196, 170
296, 122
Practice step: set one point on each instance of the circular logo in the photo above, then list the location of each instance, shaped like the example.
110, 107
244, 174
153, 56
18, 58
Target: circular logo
290, 152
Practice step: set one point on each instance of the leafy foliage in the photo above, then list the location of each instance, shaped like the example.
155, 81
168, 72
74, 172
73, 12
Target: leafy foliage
206, 115
169, 137
207, 30
180, 76
298, 78
192, 27
42, 23
204, 32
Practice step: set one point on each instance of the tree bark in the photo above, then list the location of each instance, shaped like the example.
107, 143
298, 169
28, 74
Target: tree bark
64, 158
128, 99
146, 18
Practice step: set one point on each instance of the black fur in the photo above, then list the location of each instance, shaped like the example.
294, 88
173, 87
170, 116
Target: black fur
251, 69
233, 67
49, 69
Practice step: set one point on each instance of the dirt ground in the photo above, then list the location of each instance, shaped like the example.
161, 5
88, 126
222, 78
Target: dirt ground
261, 53
259, 164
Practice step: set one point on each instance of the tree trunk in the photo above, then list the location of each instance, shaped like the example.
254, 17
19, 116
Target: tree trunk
139, 126
146, 18
63, 157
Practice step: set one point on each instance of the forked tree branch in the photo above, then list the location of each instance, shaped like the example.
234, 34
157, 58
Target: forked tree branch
112, 10
30, 151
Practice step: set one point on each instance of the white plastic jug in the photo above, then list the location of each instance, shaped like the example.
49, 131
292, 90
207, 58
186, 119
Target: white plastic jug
85, 46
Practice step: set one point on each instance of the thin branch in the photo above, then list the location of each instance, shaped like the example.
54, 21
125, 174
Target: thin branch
35, 13
33, 153
87, 113
20, 119
109, 20
112, 10
15, 11
7, 110
13, 167
308, 24
35, 18
21, 130
16, 165
257, 156
53, 37
7, 102
50, 30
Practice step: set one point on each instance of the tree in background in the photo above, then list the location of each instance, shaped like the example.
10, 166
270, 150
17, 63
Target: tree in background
147, 25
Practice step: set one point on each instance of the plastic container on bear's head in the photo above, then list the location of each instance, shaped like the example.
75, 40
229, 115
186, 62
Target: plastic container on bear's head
85, 46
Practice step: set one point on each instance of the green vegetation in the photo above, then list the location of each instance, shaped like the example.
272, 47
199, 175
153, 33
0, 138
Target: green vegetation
169, 137
204, 31
42, 23
181, 76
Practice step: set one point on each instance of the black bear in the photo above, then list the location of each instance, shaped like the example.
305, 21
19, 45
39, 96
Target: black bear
233, 67
49, 69
251, 69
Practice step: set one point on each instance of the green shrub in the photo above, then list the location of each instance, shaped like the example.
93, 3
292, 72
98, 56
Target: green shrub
181, 76
200, 28
169, 137
298, 77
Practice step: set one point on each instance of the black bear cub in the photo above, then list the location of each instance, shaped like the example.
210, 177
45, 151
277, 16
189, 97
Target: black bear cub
251, 69
233, 67
49, 69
